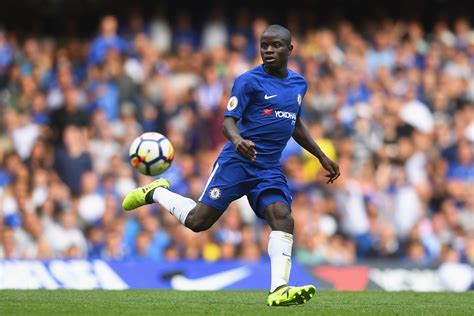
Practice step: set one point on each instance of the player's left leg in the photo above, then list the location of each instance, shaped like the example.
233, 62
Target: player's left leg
280, 243
278, 216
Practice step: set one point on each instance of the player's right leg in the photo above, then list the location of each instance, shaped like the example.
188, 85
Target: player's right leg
225, 184
202, 217
141, 195
196, 216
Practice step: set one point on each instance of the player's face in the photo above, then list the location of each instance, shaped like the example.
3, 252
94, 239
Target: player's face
274, 50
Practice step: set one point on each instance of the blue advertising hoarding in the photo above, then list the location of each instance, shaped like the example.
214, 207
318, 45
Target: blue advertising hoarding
178, 275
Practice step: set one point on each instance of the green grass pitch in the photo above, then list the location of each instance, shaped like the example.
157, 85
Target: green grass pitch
151, 302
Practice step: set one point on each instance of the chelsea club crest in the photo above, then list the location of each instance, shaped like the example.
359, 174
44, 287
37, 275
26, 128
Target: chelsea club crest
215, 193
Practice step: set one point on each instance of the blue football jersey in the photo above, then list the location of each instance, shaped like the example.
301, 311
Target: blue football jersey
266, 108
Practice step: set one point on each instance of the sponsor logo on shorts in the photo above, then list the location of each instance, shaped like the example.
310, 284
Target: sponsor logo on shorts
215, 193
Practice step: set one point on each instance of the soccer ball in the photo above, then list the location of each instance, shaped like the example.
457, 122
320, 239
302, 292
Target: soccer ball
151, 154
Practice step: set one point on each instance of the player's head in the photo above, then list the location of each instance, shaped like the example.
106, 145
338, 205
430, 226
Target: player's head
275, 46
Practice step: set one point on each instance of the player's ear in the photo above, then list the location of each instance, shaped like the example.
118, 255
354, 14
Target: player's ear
290, 49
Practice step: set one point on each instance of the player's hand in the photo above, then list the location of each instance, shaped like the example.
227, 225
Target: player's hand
246, 148
332, 168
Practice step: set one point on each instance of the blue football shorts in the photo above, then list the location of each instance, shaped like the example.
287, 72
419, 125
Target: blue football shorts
231, 179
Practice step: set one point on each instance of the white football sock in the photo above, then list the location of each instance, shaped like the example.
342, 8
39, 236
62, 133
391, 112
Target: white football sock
176, 204
279, 250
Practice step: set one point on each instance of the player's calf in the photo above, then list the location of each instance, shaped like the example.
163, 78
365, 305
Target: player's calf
278, 216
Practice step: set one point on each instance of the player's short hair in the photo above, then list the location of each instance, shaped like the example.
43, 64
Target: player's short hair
282, 31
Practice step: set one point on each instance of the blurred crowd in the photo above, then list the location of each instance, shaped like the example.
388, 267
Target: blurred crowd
391, 101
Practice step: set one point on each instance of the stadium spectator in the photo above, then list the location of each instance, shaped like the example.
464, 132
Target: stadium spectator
71, 154
106, 41
68, 114
6, 57
65, 238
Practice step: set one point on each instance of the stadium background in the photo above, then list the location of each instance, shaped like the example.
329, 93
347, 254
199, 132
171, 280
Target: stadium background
391, 92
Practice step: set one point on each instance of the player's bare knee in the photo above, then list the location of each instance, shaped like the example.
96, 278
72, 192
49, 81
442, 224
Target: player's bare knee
198, 225
202, 218
192, 224
197, 228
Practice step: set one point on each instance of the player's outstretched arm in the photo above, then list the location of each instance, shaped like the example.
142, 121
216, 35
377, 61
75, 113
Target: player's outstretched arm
244, 147
304, 139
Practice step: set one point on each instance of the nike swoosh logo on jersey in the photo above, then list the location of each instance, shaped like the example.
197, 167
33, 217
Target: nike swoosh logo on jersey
270, 96
212, 282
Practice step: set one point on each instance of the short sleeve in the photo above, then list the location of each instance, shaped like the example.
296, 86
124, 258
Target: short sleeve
239, 99
305, 88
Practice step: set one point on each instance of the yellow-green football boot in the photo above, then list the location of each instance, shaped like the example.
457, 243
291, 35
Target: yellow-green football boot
291, 295
140, 196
